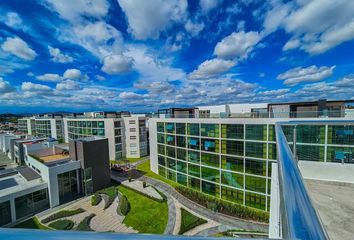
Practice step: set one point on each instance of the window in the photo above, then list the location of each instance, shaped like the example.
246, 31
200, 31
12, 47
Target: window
232, 131
193, 170
181, 128
310, 134
232, 179
133, 145
117, 124
194, 183
181, 167
118, 140
210, 145
131, 121
171, 163
182, 179
232, 147
211, 188
133, 153
210, 174
132, 129
160, 138
193, 143
160, 127
31, 203
256, 149
255, 200
181, 141
161, 149
341, 135
171, 175
232, 195
340, 154
162, 171
310, 153
170, 151
257, 167
193, 156
210, 159
118, 147
5, 213
232, 163
256, 132
132, 137
101, 124
161, 160
181, 154
256, 184
193, 129
170, 127
209, 130
170, 140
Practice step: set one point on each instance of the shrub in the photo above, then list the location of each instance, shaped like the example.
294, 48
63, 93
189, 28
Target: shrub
96, 199
144, 184
61, 214
124, 206
111, 192
84, 225
62, 224
189, 221
223, 206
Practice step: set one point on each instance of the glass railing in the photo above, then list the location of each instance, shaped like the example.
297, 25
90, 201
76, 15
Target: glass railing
298, 217
345, 113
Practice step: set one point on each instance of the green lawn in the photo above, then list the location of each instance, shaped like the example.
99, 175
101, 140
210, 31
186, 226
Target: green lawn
145, 215
189, 221
32, 223
145, 168
64, 224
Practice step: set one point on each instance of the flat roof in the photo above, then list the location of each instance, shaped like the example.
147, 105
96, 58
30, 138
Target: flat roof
335, 205
54, 157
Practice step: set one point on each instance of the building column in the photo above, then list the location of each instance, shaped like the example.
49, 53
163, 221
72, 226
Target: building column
13, 210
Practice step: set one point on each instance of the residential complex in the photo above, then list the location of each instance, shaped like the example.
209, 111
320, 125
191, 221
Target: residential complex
52, 174
135, 136
231, 158
26, 125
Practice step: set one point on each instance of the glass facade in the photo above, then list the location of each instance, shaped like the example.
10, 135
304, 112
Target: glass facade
31, 203
233, 161
5, 213
68, 186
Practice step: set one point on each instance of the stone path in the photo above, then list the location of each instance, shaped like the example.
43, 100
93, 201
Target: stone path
104, 221
204, 212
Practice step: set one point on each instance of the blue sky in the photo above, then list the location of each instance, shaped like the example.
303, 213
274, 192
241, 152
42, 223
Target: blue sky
83, 55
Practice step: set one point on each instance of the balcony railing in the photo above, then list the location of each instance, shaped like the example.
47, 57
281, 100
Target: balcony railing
345, 113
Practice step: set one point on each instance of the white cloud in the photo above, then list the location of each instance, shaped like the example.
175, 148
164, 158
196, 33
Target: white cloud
116, 64
207, 5
317, 25
193, 28
299, 75
147, 19
67, 85
237, 45
19, 48
211, 68
74, 74
75, 10
13, 20
129, 95
276, 92
32, 87
59, 57
49, 77
5, 86
100, 78
99, 38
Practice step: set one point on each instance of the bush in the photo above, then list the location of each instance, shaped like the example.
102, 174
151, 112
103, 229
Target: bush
111, 192
124, 206
223, 206
189, 221
144, 184
84, 225
62, 224
61, 214
96, 199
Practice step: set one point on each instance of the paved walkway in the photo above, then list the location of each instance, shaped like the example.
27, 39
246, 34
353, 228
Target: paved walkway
138, 186
104, 221
204, 212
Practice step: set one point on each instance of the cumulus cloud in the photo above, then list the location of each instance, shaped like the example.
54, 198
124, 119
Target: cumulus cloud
100, 78
193, 28
316, 26
75, 10
237, 45
67, 85
13, 20
49, 77
5, 86
116, 64
74, 74
147, 19
59, 57
19, 48
129, 95
299, 75
211, 68
207, 5
33, 87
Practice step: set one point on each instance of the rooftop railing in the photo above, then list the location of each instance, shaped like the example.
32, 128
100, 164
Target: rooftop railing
298, 217
345, 113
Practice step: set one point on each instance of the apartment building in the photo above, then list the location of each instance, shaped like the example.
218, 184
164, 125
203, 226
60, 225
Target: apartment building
109, 127
231, 158
26, 125
50, 127
52, 175
135, 136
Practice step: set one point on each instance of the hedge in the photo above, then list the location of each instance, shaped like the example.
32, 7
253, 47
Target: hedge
62, 224
84, 225
189, 221
223, 206
61, 214
96, 199
111, 192
124, 206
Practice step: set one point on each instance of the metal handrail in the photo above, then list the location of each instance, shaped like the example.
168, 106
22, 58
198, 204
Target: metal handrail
298, 217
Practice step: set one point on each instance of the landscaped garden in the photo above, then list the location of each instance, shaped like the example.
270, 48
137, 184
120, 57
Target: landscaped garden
145, 215
32, 223
63, 224
189, 221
